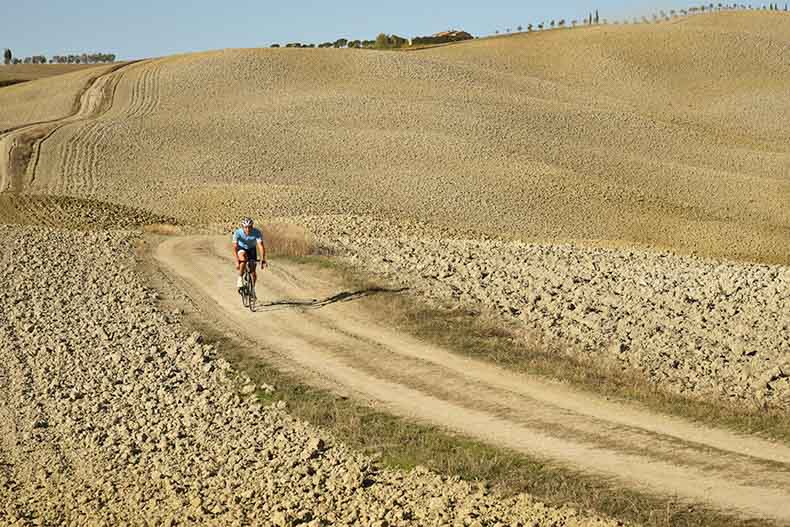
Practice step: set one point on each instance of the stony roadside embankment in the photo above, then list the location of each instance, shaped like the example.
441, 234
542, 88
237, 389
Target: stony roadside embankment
696, 326
111, 414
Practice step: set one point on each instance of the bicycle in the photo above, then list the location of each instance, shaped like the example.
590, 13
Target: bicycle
247, 290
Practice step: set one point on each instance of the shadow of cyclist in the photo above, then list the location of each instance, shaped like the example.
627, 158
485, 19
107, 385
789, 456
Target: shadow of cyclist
315, 303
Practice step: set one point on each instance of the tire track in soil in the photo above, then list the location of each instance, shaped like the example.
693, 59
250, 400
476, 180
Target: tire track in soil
85, 160
72, 169
146, 92
346, 346
17, 174
85, 145
81, 150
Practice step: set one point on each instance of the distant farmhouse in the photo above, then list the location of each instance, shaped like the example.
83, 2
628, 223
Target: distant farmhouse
452, 35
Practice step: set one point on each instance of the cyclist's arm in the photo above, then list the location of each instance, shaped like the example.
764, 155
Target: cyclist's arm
236, 252
262, 250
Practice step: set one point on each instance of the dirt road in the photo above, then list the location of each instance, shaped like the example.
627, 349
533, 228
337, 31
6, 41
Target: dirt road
307, 323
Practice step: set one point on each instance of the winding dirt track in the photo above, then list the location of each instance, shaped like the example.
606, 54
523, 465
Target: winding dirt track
339, 342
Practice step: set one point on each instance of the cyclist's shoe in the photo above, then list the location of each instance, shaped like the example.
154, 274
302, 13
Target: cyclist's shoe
239, 283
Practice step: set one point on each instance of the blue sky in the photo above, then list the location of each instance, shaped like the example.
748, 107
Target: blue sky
148, 28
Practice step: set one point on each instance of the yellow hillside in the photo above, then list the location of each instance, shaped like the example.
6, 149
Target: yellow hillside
52, 95
672, 134
29, 72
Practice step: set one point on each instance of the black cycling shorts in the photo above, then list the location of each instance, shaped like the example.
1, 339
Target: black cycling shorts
252, 254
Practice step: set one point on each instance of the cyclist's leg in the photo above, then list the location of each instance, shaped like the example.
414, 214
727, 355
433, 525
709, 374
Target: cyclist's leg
243, 260
252, 254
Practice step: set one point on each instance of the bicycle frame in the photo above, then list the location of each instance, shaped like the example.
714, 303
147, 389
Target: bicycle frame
248, 296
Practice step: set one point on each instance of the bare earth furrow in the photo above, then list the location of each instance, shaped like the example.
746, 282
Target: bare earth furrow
136, 105
152, 90
145, 92
78, 171
5, 154
72, 170
135, 93
93, 147
74, 174
86, 146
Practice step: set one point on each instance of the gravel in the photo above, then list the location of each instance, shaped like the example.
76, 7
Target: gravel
110, 413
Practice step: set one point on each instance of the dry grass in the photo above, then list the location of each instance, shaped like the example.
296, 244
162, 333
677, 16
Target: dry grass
287, 239
282, 239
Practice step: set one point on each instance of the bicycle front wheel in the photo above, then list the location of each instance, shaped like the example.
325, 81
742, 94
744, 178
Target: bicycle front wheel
245, 289
252, 297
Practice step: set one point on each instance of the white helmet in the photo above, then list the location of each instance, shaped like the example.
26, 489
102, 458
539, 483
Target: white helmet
246, 222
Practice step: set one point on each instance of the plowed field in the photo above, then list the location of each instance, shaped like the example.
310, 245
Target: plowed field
620, 193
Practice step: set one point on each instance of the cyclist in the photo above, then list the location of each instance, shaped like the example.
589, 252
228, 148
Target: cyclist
246, 242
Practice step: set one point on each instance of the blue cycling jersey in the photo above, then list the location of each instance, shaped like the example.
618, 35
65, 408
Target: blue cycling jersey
246, 241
